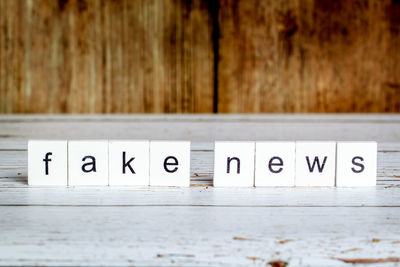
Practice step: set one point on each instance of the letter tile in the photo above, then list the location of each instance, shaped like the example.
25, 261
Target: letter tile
275, 164
170, 163
234, 164
88, 162
129, 162
315, 163
47, 162
356, 164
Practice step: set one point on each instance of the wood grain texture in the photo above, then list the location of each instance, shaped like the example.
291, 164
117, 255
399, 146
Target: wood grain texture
203, 128
195, 236
89, 56
309, 56
199, 56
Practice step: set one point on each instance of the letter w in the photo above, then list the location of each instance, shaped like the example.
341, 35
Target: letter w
316, 161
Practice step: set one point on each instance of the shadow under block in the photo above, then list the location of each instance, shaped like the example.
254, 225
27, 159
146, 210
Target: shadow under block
47, 162
315, 163
170, 163
129, 162
275, 164
88, 162
356, 164
234, 164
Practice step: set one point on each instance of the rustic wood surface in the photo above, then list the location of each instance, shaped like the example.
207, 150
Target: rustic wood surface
105, 56
200, 225
309, 56
168, 56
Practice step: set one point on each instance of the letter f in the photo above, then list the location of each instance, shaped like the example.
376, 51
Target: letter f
46, 160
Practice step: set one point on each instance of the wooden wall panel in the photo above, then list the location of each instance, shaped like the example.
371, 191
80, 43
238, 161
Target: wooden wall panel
309, 56
135, 56
99, 56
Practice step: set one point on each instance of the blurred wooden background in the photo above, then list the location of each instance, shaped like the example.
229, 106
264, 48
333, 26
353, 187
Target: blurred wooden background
173, 56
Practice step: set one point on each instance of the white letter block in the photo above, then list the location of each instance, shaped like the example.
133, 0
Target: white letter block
275, 163
170, 163
88, 162
234, 164
315, 163
47, 162
129, 162
356, 164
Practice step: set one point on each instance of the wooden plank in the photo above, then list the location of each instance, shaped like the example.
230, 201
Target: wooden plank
225, 236
21, 144
15, 192
381, 128
334, 118
308, 56
106, 56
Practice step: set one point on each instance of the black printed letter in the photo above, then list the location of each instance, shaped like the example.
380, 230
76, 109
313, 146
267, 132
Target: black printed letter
92, 164
357, 164
126, 164
316, 160
270, 164
46, 160
166, 163
228, 166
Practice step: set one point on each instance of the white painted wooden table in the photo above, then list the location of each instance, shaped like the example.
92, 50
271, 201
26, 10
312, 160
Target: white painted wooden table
200, 225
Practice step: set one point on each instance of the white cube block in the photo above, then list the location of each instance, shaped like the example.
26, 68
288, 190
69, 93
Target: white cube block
356, 164
128, 162
234, 164
315, 163
47, 162
170, 163
275, 163
88, 162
